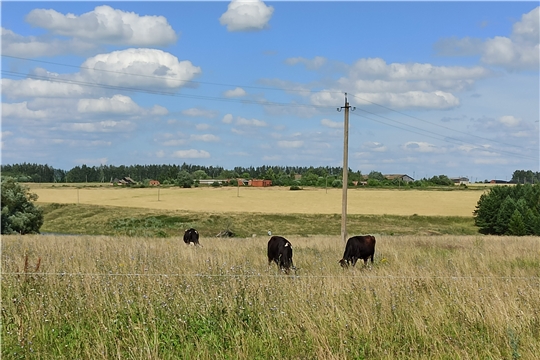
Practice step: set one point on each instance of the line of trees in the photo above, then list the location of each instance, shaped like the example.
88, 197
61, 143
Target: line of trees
525, 177
187, 175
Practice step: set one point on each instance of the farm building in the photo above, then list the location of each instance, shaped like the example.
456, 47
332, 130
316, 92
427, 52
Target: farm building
260, 183
153, 183
460, 180
124, 181
402, 177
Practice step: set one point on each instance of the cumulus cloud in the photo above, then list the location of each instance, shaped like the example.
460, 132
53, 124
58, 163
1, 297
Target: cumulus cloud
332, 124
36, 46
374, 146
246, 15
519, 51
205, 138
227, 119
106, 25
509, 120
28, 88
405, 100
312, 64
379, 69
422, 147
107, 126
290, 144
118, 104
191, 154
195, 112
237, 92
132, 68
139, 68
21, 111
401, 85
250, 122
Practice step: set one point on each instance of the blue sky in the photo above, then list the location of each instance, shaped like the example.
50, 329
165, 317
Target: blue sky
439, 87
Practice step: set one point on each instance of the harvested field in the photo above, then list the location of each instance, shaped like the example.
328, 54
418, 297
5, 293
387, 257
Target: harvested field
270, 200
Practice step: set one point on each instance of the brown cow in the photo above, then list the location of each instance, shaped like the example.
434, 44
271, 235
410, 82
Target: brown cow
358, 247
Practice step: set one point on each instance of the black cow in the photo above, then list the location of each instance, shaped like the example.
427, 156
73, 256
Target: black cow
280, 251
191, 236
358, 247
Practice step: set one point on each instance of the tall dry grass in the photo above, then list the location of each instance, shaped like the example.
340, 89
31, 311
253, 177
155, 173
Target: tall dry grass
443, 297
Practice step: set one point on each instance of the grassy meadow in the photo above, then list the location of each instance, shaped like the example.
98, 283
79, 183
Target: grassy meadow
425, 297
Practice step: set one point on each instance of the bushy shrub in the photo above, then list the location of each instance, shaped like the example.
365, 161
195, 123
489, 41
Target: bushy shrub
19, 214
509, 210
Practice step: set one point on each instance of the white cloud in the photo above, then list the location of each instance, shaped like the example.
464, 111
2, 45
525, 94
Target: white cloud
21, 111
519, 51
28, 88
250, 122
158, 110
227, 119
237, 92
379, 69
195, 112
174, 142
205, 138
118, 104
191, 154
422, 147
106, 25
107, 126
405, 100
332, 124
202, 126
374, 146
509, 121
145, 68
312, 64
246, 15
37, 46
287, 144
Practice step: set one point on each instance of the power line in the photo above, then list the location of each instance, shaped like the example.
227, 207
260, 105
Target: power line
172, 78
443, 137
158, 92
434, 124
256, 102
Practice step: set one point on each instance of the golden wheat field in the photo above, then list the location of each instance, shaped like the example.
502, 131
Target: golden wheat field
270, 200
424, 297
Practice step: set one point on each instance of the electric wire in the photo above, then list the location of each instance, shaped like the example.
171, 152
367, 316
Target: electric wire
444, 138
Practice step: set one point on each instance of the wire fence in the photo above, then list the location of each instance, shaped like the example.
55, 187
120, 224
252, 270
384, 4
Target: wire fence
400, 277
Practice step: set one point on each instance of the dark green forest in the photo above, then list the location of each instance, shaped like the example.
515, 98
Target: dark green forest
189, 174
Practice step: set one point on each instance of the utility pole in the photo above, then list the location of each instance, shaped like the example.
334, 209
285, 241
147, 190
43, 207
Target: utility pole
345, 169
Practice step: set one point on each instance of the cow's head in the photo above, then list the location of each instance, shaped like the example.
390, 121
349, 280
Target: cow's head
344, 263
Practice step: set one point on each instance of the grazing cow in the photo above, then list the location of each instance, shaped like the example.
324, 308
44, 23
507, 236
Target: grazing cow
280, 251
358, 247
191, 236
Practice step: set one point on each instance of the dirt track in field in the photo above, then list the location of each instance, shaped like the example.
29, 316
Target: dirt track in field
271, 200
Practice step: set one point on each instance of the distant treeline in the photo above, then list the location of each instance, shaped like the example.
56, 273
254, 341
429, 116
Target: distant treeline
173, 174
26, 172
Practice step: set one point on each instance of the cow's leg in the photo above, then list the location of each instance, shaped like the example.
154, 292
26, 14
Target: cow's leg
354, 260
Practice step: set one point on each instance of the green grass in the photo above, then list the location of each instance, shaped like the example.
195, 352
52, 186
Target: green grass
103, 220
